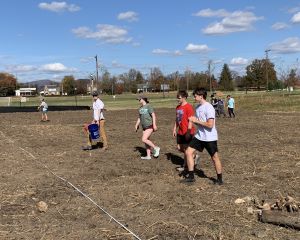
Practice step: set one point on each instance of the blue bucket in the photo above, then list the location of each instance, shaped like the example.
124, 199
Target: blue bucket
94, 131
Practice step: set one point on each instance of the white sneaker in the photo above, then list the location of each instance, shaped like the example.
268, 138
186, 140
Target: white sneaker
180, 169
197, 160
146, 158
156, 152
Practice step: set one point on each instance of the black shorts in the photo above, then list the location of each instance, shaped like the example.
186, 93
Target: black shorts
181, 139
211, 147
148, 127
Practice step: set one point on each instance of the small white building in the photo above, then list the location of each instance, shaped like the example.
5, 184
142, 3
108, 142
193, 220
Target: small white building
26, 92
51, 90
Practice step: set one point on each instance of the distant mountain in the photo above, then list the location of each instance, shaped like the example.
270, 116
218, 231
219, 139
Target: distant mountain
40, 84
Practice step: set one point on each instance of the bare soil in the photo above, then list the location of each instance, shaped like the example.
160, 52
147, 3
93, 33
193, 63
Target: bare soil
259, 151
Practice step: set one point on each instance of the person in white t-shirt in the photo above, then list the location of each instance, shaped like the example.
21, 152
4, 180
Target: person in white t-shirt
206, 136
44, 108
98, 117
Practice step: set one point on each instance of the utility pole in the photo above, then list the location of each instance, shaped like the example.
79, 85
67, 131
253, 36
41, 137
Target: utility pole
97, 75
209, 75
267, 63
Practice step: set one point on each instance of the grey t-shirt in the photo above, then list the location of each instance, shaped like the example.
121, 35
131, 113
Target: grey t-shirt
145, 115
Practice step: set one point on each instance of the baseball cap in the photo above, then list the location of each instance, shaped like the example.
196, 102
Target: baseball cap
95, 94
141, 97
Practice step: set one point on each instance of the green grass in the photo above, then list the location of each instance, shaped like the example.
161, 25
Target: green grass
259, 101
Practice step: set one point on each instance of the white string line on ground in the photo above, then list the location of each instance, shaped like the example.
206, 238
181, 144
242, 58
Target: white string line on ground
73, 186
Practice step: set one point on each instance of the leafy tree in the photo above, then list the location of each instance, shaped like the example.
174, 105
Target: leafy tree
132, 74
139, 78
259, 71
292, 79
226, 80
106, 83
81, 85
8, 84
68, 85
156, 78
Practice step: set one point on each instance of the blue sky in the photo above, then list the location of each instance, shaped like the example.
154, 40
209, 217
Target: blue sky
51, 39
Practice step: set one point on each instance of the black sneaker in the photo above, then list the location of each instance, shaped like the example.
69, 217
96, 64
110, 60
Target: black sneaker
87, 148
188, 179
218, 182
184, 173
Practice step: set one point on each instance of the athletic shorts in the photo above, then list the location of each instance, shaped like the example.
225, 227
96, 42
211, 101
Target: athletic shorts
211, 147
148, 127
182, 140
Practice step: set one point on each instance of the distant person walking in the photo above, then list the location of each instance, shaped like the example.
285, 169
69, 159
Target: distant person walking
44, 109
214, 103
221, 108
98, 118
147, 118
183, 130
230, 106
206, 136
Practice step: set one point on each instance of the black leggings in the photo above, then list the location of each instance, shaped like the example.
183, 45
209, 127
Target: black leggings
230, 112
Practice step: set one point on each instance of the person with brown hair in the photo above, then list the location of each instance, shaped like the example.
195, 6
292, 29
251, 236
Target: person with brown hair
147, 118
183, 130
206, 136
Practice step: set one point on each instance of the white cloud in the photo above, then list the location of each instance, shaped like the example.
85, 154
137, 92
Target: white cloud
129, 16
177, 53
87, 59
296, 18
211, 13
238, 21
105, 32
136, 44
238, 61
59, 7
279, 26
293, 10
56, 67
159, 51
116, 64
193, 48
288, 45
20, 68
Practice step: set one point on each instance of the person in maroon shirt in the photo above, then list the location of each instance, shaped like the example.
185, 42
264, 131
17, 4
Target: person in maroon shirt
183, 129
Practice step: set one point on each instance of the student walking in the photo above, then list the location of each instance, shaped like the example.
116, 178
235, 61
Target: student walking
98, 118
183, 130
230, 105
147, 118
206, 136
221, 108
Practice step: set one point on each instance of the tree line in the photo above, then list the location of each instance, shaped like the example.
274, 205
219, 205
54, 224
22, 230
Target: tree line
260, 75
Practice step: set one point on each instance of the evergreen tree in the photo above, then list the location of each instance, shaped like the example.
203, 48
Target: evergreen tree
226, 81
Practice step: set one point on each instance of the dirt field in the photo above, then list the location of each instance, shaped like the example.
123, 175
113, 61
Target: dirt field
260, 154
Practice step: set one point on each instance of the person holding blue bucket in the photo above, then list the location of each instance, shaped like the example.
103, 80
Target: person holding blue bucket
92, 129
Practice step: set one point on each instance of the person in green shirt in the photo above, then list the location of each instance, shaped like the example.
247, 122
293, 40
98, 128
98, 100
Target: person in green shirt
147, 119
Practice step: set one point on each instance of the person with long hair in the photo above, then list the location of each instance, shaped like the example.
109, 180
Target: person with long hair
147, 118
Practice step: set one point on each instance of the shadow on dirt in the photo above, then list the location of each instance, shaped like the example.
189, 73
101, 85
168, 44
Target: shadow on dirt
175, 159
141, 150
